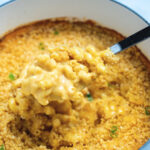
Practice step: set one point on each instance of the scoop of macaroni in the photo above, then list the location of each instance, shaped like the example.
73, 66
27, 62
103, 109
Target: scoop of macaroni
62, 86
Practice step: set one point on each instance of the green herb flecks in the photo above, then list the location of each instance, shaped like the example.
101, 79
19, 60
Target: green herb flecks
89, 97
56, 32
113, 135
11, 77
41, 46
2, 147
109, 84
113, 131
147, 110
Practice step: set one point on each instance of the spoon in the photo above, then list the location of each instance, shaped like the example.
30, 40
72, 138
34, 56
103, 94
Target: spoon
128, 42
131, 40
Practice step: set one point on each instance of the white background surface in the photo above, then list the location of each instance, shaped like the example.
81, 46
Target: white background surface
3, 1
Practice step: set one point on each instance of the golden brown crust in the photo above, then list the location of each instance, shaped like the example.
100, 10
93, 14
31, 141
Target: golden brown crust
64, 20
17, 50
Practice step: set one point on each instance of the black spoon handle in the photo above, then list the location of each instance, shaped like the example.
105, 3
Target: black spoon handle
131, 40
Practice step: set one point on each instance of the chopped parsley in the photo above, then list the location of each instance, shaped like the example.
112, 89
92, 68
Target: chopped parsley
113, 131
56, 32
113, 135
89, 97
11, 76
41, 46
147, 110
109, 84
2, 147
